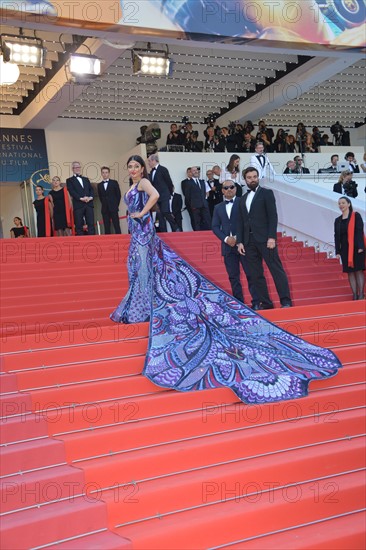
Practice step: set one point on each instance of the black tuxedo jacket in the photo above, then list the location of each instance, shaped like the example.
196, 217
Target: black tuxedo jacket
262, 219
196, 195
77, 191
162, 182
304, 170
111, 197
177, 204
223, 226
337, 188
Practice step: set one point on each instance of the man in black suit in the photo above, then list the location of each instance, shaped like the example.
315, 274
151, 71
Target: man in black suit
300, 165
195, 193
224, 224
161, 180
82, 194
256, 237
176, 207
110, 197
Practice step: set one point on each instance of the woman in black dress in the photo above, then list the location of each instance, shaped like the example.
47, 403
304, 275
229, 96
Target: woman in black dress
20, 231
350, 246
62, 220
44, 209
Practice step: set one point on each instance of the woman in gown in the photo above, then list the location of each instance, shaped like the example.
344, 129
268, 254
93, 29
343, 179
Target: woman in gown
200, 336
232, 172
62, 209
350, 246
44, 209
20, 231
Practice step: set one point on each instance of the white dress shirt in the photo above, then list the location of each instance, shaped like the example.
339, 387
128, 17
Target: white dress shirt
250, 197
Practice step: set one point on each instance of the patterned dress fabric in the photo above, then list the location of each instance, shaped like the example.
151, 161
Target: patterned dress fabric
201, 337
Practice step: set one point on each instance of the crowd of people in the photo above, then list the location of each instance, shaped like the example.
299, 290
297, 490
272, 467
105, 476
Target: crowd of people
242, 138
248, 234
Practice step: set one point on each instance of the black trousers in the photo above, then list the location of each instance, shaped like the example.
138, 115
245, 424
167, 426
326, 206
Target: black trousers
232, 264
255, 253
165, 214
87, 213
201, 219
107, 217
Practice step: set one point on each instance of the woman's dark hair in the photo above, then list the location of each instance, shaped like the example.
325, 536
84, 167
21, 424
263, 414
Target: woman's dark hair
40, 186
230, 167
349, 203
141, 161
20, 219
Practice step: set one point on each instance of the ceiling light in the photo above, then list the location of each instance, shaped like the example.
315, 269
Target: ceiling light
151, 63
9, 72
84, 67
23, 50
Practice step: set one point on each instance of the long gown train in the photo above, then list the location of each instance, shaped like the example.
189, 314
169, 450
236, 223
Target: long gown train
201, 337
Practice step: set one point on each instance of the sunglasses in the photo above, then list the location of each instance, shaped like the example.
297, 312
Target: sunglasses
230, 187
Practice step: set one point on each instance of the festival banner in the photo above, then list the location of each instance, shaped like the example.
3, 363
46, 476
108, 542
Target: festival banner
23, 154
311, 24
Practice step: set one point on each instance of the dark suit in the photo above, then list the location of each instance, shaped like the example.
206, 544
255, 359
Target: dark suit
223, 227
253, 230
110, 199
81, 209
214, 197
177, 206
337, 188
196, 200
161, 180
303, 170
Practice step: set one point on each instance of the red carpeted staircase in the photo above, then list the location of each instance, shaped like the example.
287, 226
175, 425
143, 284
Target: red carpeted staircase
95, 456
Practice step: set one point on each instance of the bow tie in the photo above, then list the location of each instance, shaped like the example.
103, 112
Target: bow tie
228, 202
153, 170
105, 181
251, 190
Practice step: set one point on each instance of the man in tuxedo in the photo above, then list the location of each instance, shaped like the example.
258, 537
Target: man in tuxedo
224, 224
261, 162
256, 238
300, 165
110, 197
195, 193
215, 193
333, 168
176, 205
82, 194
161, 180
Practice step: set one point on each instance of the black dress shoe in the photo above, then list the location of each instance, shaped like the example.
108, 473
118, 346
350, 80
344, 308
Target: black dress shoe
266, 306
286, 305
255, 307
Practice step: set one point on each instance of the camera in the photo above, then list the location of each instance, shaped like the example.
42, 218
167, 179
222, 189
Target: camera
336, 128
350, 189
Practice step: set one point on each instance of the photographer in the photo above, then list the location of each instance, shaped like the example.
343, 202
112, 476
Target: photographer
279, 144
248, 145
265, 135
316, 139
191, 144
174, 137
346, 186
303, 138
337, 130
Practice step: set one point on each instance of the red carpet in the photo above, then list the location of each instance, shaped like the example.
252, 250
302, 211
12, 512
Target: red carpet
95, 456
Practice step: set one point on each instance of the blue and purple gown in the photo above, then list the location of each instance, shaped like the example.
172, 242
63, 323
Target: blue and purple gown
200, 336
